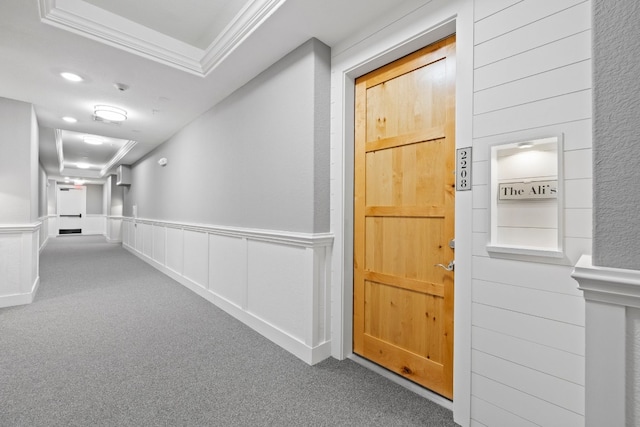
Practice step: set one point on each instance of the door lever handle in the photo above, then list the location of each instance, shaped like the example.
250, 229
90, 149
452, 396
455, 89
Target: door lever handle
449, 267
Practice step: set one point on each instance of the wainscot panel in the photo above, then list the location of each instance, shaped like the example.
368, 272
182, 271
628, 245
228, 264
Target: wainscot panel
19, 263
53, 225
114, 232
196, 257
94, 224
228, 268
159, 243
275, 282
175, 249
44, 232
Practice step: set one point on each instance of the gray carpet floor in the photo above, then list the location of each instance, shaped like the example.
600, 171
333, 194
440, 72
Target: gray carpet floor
110, 341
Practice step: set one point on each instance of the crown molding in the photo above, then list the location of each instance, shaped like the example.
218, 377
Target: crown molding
252, 15
118, 156
82, 18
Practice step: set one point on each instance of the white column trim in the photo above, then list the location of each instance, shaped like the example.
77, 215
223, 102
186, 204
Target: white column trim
608, 292
604, 284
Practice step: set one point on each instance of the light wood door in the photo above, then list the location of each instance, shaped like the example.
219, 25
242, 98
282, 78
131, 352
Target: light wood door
404, 216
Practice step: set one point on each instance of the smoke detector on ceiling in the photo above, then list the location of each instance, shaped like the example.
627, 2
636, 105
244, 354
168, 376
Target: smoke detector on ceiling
121, 87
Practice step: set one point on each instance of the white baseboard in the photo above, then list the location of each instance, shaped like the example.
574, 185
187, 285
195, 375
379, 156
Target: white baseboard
20, 299
44, 244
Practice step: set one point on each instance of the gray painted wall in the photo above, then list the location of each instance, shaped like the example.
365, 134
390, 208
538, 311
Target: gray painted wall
258, 159
18, 163
43, 182
616, 133
52, 199
115, 197
95, 201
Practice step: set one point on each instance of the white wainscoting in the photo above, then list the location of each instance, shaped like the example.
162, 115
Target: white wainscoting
114, 229
52, 221
43, 233
612, 343
94, 224
19, 263
275, 282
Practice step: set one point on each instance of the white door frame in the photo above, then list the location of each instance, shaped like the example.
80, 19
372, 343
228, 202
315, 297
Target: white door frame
425, 25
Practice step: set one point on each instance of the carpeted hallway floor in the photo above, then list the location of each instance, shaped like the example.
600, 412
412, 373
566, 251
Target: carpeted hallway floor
110, 341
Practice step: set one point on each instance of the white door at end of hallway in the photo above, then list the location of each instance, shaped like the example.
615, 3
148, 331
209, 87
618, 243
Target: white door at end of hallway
72, 209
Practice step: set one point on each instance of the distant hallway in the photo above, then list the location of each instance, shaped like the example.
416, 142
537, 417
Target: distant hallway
110, 341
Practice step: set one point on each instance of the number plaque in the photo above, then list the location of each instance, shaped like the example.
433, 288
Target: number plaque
463, 169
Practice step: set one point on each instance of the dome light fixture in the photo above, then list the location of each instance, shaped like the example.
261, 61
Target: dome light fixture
70, 119
83, 165
71, 77
112, 114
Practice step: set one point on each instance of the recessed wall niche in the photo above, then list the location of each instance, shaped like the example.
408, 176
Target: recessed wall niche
526, 197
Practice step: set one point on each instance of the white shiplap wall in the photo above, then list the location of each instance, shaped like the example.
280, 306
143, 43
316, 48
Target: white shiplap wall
532, 74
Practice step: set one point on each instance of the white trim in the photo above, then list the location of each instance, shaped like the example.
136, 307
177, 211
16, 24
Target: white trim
20, 299
305, 240
19, 228
242, 26
610, 285
608, 293
118, 156
97, 24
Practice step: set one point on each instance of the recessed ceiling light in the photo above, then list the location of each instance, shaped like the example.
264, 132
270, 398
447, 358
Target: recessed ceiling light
93, 140
83, 165
70, 119
71, 77
112, 114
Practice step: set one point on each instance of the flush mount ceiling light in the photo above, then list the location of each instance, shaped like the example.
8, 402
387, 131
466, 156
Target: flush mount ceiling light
112, 114
70, 119
83, 165
71, 77
92, 139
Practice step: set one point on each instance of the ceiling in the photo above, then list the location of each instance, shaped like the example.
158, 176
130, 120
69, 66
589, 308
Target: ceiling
164, 62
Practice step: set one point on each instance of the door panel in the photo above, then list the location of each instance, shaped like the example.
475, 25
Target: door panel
404, 206
72, 207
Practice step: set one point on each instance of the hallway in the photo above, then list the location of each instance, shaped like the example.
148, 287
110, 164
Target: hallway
111, 341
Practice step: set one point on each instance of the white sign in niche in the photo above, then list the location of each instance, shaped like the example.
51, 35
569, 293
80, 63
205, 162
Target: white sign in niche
533, 190
526, 197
